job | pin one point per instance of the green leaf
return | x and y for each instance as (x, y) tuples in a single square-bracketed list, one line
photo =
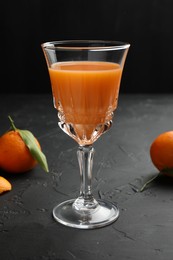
[(35, 151)]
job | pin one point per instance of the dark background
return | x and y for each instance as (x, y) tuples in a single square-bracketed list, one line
[(147, 25)]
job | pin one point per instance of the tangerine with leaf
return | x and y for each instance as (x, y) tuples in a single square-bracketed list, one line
[(161, 154), (20, 151)]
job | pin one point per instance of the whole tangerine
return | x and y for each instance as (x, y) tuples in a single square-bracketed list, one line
[(161, 153), (15, 156)]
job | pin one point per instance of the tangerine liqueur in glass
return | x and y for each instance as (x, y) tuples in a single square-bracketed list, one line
[(85, 78), (86, 92)]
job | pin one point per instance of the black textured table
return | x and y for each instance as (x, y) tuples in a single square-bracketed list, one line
[(122, 163)]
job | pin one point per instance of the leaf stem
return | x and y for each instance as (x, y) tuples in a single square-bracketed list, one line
[(12, 123), (148, 182)]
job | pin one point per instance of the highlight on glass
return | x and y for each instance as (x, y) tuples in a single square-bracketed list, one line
[(85, 78)]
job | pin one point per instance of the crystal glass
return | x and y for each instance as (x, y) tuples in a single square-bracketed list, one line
[(85, 78)]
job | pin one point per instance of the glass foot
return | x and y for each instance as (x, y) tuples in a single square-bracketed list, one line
[(104, 214)]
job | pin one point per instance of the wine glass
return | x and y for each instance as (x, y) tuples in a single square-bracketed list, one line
[(85, 77)]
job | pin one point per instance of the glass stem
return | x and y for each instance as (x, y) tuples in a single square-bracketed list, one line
[(85, 158)]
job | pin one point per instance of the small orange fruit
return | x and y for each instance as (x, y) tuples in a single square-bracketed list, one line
[(15, 156), (4, 185), (161, 152)]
